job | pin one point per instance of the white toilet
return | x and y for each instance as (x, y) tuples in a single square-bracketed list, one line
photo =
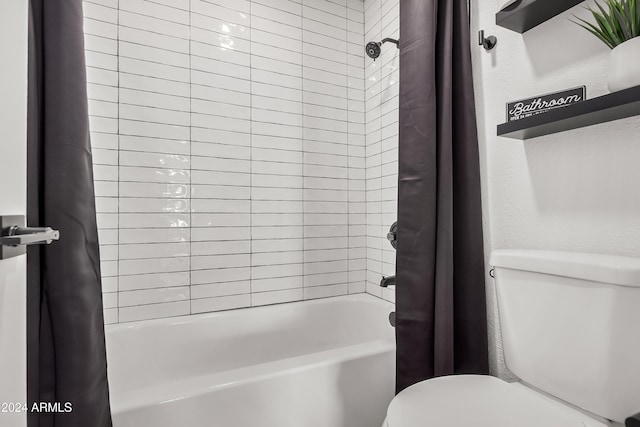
[(570, 327)]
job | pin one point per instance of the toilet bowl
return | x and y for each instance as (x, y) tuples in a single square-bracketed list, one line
[(569, 333), (480, 401)]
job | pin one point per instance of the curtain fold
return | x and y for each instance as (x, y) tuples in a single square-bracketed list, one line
[(65, 327), (441, 322)]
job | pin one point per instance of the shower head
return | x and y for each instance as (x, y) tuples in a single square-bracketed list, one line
[(374, 48)]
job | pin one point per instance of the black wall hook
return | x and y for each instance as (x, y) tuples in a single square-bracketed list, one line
[(488, 43)]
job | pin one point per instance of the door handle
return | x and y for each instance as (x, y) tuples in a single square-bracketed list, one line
[(29, 236), (15, 237)]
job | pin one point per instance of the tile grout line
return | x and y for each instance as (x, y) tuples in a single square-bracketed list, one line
[(349, 172), (380, 228), (302, 149), (190, 198), (118, 161), (250, 14)]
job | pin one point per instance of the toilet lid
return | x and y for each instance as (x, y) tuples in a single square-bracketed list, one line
[(480, 401)]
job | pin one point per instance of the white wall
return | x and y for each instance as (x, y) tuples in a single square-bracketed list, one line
[(229, 152), (382, 85), (13, 191), (574, 191)]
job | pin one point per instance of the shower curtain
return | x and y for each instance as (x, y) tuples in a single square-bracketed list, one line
[(441, 325), (66, 360)]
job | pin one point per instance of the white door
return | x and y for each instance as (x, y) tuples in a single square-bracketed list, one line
[(13, 196)]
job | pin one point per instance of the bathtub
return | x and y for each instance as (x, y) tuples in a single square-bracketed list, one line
[(320, 363)]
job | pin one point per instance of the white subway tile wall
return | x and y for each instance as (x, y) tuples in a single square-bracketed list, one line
[(381, 147), (229, 152), (101, 35)]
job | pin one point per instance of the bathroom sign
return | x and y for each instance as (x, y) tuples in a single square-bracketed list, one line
[(541, 104)]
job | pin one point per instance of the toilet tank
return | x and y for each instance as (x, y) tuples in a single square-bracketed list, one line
[(570, 326)]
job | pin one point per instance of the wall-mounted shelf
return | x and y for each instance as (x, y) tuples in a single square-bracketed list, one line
[(618, 105), (523, 15)]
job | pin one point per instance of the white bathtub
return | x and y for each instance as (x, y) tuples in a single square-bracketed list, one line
[(321, 363)]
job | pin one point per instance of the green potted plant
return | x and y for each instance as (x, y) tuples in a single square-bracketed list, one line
[(617, 24)]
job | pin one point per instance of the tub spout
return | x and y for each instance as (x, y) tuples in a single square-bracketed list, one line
[(388, 281)]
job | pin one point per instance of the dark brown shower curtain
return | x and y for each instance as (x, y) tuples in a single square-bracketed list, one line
[(441, 325), (66, 360)]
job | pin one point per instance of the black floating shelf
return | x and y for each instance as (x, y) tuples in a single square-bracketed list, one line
[(523, 15), (615, 106)]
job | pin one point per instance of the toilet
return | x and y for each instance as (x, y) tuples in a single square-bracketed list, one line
[(570, 326)]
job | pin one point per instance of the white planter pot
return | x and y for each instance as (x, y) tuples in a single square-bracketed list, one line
[(624, 65)]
